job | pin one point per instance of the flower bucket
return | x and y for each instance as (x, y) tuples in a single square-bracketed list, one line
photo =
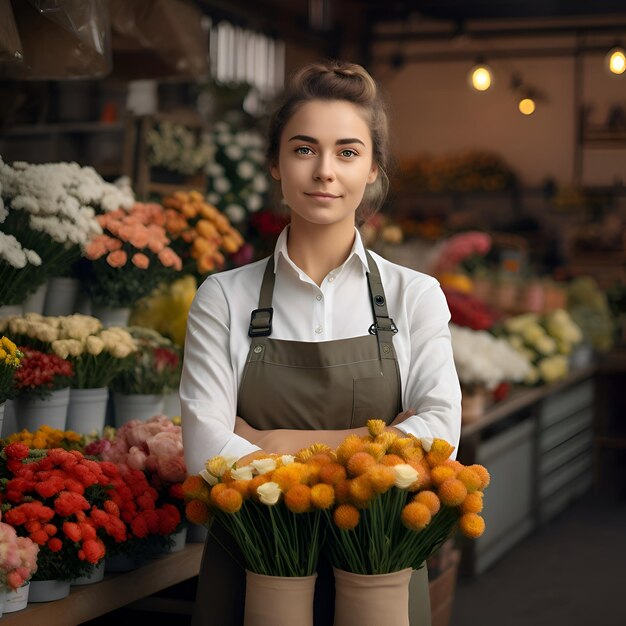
[(278, 600), (87, 410), (1, 415), (473, 404), (180, 540), (111, 316), (32, 413), (8, 423), (36, 301), (16, 600), (136, 406), (11, 309), (122, 563), (61, 296), (171, 405), (95, 576), (372, 600), (3, 594), (48, 590)]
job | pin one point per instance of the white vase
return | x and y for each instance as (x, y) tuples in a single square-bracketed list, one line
[(1, 416), (95, 576), (136, 406), (36, 301), (3, 594), (16, 600), (171, 404), (32, 413), (48, 590), (180, 540), (87, 410), (11, 309), (111, 316), (61, 296), (9, 425)]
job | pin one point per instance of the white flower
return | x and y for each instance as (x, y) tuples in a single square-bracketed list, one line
[(255, 202), (94, 345), (223, 138), (427, 443), (245, 170), (287, 459), (405, 475), (221, 185), (242, 473), (260, 184), (235, 213), (263, 466), (212, 198), (269, 493), (234, 152), (209, 478), (214, 169)]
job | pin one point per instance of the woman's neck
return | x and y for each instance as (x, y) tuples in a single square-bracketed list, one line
[(317, 249)]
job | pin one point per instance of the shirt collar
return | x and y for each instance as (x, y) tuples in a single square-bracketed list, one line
[(358, 250)]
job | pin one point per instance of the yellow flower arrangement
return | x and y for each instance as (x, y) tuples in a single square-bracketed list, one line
[(46, 438), (10, 359)]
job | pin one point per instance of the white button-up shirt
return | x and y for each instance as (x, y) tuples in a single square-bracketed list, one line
[(217, 342)]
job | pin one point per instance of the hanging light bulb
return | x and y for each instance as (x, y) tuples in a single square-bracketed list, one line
[(480, 77), (616, 60), (527, 105)]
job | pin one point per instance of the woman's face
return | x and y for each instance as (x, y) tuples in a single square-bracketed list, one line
[(325, 161)]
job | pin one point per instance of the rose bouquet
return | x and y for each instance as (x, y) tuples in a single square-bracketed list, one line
[(10, 360), (131, 256), (63, 502), (41, 373), (155, 365), (18, 558), (272, 507)]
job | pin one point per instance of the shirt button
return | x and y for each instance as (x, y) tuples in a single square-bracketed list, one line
[(318, 297), (330, 279), (319, 329)]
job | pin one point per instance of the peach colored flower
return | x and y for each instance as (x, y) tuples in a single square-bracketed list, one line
[(156, 245), (169, 258), (95, 249), (112, 244), (117, 258), (140, 260), (114, 227), (136, 459), (140, 237), (125, 232)]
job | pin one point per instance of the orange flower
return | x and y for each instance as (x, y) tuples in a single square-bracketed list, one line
[(117, 258), (452, 492), (472, 525), (342, 491), (391, 459), (228, 500), (470, 479), (455, 465), (320, 458), (332, 474), (195, 487), (360, 462), (242, 486), (140, 260), (322, 496), (95, 249), (216, 490), (361, 490), (349, 446), (375, 427), (482, 472), (289, 475), (440, 450), (298, 499), (375, 449), (473, 503), (381, 478), (255, 483), (346, 516), (425, 475), (169, 258), (429, 499), (441, 473), (416, 515)]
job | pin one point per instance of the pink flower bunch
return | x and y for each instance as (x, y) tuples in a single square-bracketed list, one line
[(457, 248), (136, 235), (18, 557)]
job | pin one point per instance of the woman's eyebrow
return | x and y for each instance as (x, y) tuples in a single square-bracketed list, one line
[(339, 142)]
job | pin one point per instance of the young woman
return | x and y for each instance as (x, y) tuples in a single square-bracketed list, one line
[(307, 345)]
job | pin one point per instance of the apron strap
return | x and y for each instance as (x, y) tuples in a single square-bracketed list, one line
[(383, 327), (261, 318)]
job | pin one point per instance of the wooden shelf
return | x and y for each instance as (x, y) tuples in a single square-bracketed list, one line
[(55, 129), (115, 591)]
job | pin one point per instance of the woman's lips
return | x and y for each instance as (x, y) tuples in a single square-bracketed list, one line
[(321, 195)]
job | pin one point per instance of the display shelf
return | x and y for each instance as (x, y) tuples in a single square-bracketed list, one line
[(62, 128), (115, 591)]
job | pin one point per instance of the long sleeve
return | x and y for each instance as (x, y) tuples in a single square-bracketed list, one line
[(432, 385), (208, 387)]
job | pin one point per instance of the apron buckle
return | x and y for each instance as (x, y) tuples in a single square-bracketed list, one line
[(261, 322), (374, 328)]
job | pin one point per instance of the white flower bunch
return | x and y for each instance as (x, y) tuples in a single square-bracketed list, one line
[(482, 359), (178, 148), (12, 252), (237, 178)]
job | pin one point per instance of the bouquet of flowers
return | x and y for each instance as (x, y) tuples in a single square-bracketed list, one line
[(46, 438), (545, 340), (96, 354), (131, 256), (20, 269), (201, 235), (64, 503), (18, 558), (155, 365), (237, 179), (483, 360), (272, 507), (10, 360), (41, 373), (49, 210)]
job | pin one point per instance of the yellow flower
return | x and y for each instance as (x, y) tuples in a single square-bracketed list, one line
[(361, 490), (452, 492), (322, 496), (439, 452), (217, 466), (375, 427), (298, 499), (472, 525), (441, 473), (346, 516), (290, 475), (228, 500), (317, 448), (332, 474), (430, 499), (470, 479), (473, 503), (376, 450), (416, 516), (386, 439), (483, 473), (349, 446), (360, 462), (381, 477)]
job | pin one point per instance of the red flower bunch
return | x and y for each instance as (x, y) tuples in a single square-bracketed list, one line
[(64, 503), (42, 373)]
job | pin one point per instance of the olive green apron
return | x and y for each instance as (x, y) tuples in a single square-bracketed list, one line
[(329, 385)]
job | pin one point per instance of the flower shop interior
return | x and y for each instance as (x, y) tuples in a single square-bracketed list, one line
[(132, 166)]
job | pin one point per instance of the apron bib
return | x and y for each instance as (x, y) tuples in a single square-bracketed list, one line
[(327, 385)]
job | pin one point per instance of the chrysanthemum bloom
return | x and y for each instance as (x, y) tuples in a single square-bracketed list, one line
[(322, 496), (452, 492), (441, 473), (197, 512), (349, 446), (381, 477), (391, 460), (360, 462), (470, 479), (361, 490), (416, 515), (332, 474), (298, 499), (473, 503), (346, 516), (482, 471), (472, 525), (229, 500), (375, 427), (429, 499), (440, 450)]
